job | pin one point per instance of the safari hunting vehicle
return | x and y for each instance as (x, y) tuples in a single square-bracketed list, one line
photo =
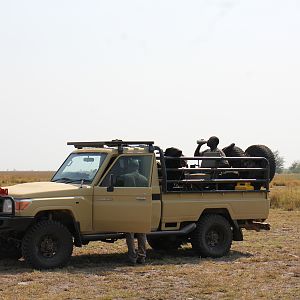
[(180, 200)]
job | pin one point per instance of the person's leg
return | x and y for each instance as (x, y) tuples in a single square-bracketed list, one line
[(141, 253), (131, 247)]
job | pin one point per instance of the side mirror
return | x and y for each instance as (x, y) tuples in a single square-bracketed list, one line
[(112, 183)]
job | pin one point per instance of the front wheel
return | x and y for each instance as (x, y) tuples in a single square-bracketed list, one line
[(47, 245), (212, 237)]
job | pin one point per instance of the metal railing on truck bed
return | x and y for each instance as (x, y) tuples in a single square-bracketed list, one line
[(177, 174)]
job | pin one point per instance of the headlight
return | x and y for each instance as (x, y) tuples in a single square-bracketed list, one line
[(7, 207)]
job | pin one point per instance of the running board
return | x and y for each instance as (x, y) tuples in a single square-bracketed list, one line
[(183, 231), (102, 236), (115, 236)]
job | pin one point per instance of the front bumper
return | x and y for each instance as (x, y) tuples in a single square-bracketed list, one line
[(9, 221), (13, 223)]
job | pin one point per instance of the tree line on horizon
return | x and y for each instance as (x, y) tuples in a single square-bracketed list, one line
[(293, 168)]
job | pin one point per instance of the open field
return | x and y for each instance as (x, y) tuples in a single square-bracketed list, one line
[(264, 266), (15, 177), (285, 192)]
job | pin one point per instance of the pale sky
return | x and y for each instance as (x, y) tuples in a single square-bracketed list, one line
[(164, 70)]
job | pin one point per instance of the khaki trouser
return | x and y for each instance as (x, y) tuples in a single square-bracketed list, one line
[(140, 254)]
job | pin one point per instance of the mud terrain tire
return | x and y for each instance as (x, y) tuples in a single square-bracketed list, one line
[(47, 245), (262, 151), (212, 236)]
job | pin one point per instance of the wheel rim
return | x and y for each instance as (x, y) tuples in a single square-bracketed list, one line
[(48, 246), (213, 238)]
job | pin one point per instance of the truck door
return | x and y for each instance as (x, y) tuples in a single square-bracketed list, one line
[(127, 206)]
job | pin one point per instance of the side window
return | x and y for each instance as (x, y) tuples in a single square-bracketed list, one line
[(130, 171)]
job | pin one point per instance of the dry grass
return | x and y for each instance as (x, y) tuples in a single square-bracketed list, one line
[(289, 180), (15, 177), (287, 198), (285, 192), (264, 266)]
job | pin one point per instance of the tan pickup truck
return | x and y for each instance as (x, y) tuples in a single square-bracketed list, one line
[(104, 189)]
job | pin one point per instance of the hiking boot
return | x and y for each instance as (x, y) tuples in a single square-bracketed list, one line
[(132, 261), (140, 260)]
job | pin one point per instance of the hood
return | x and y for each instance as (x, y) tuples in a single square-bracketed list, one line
[(40, 189)]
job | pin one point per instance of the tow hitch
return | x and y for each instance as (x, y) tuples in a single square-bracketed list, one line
[(257, 226)]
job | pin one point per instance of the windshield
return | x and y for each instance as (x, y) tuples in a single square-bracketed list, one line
[(79, 168)]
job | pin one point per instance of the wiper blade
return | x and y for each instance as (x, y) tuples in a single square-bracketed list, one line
[(69, 180), (63, 179)]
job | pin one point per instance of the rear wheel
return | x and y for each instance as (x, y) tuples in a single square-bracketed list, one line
[(212, 237), (164, 243), (47, 245)]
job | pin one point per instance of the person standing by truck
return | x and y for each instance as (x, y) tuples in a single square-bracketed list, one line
[(139, 255)]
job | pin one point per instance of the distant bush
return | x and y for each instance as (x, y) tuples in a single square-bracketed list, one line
[(279, 161), (295, 167)]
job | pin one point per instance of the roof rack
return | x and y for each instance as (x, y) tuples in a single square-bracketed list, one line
[(113, 143)]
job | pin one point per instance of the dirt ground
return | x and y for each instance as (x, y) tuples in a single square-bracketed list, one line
[(264, 266)]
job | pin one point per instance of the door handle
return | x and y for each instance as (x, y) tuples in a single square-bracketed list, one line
[(104, 199), (141, 198)]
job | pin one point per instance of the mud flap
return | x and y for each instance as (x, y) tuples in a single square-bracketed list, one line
[(77, 236), (237, 234)]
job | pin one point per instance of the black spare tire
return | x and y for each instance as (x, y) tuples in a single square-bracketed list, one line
[(262, 151)]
